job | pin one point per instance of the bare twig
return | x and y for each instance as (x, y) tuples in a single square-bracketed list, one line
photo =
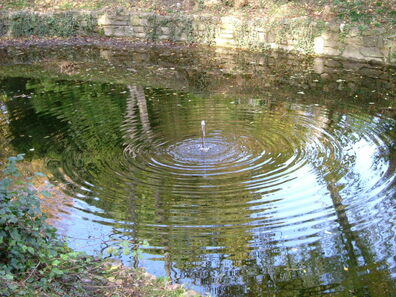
[(31, 273)]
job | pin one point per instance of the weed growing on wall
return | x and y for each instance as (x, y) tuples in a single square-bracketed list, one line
[(177, 26), (62, 24), (299, 33), (3, 26), (208, 34)]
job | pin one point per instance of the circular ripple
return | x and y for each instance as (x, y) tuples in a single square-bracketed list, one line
[(208, 152), (237, 157), (273, 176)]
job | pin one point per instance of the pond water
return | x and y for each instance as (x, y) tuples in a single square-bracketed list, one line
[(294, 194)]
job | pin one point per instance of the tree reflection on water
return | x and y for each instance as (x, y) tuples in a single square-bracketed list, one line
[(295, 198)]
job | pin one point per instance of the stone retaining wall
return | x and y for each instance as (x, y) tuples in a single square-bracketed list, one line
[(296, 35), (300, 34)]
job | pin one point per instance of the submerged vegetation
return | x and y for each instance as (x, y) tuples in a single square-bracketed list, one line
[(35, 262)]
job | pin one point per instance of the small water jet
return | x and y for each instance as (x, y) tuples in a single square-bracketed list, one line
[(204, 148)]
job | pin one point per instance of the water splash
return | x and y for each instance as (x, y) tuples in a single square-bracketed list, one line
[(204, 148)]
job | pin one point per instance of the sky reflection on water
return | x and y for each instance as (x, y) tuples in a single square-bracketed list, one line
[(294, 197)]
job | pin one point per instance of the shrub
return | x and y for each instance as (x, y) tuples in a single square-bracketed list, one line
[(32, 258), (35, 262), (61, 24)]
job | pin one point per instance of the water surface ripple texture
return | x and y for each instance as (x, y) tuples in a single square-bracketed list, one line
[(293, 194)]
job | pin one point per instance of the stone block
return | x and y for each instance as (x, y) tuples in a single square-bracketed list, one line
[(324, 76), (352, 66), (318, 65), (106, 54), (226, 36), (104, 20), (224, 42), (182, 37), (261, 36), (332, 43), (129, 32), (271, 37), (330, 36), (354, 32), (230, 27), (113, 20), (165, 30), (283, 41), (357, 40), (163, 37), (201, 27), (333, 63), (373, 41), (286, 48), (138, 29), (229, 20), (135, 20), (229, 23), (371, 72), (319, 43), (373, 32), (389, 50), (331, 51), (391, 37), (376, 60), (372, 52), (227, 31), (352, 52), (334, 27), (138, 20), (140, 35), (114, 30)]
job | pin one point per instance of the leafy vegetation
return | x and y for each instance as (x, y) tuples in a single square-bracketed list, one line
[(35, 262), (32, 258), (61, 24)]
